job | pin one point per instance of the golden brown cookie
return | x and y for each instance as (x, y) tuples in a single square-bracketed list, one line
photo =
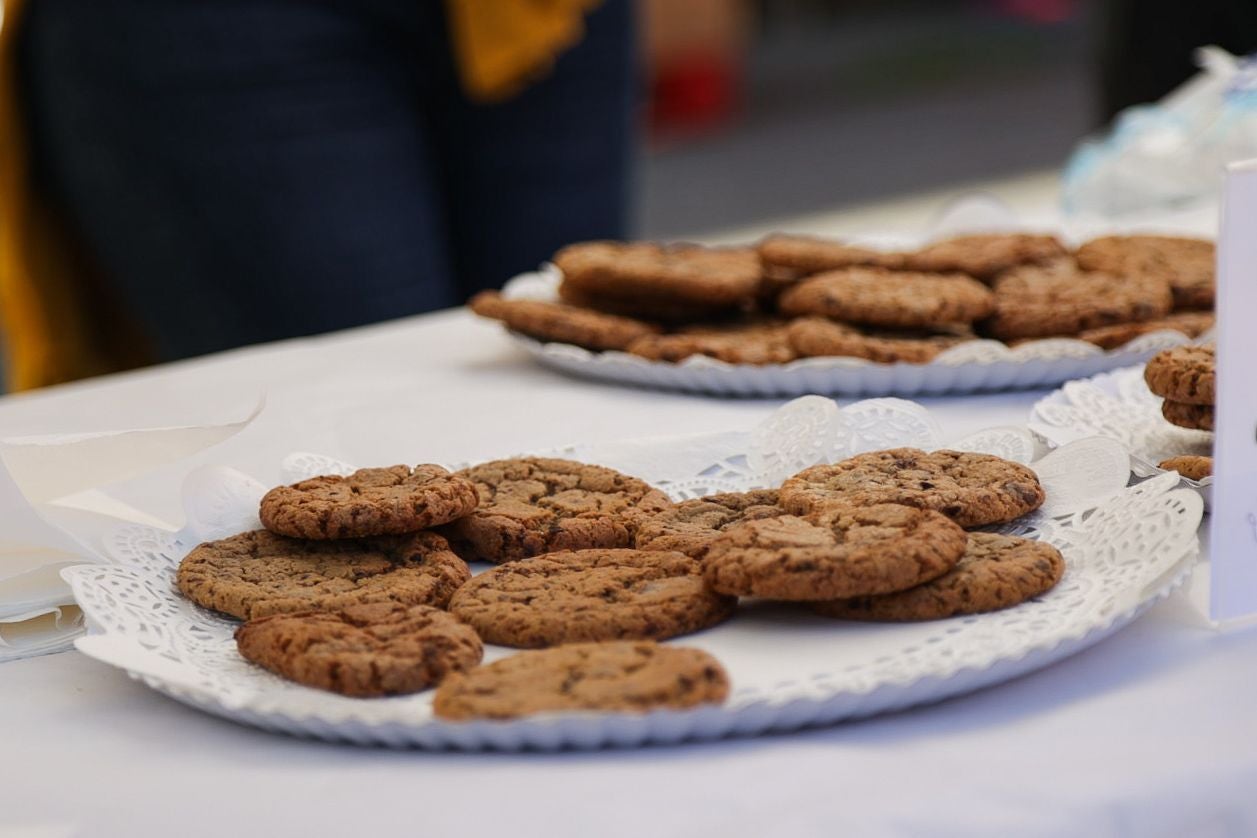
[(836, 551), (1195, 416), (1190, 323), (561, 323), (1183, 374), (996, 572), (631, 677), (371, 501), (734, 344), (533, 505), (986, 255), (1191, 467), (891, 299), (362, 651), (590, 595), (971, 489), (690, 526), (1058, 299), (819, 336), (803, 255), (663, 310), (259, 573), (712, 278), (1186, 264)]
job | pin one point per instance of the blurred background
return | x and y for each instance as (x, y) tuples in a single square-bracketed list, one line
[(762, 110), (186, 176)]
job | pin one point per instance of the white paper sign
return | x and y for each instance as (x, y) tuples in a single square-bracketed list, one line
[(1233, 551)]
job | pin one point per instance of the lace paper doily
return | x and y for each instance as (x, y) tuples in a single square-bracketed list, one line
[(1119, 405), (970, 367), (1125, 548)]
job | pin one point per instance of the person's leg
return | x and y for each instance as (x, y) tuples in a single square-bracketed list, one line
[(243, 170), (548, 167)]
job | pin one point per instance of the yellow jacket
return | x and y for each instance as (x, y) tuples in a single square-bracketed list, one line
[(57, 324)]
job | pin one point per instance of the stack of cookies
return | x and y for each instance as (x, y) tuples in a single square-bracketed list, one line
[(793, 297), (1184, 377), (360, 584)]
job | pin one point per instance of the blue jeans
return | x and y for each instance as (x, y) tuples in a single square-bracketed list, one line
[(248, 170)]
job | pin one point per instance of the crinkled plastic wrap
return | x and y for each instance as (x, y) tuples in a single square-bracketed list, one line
[(1172, 153)]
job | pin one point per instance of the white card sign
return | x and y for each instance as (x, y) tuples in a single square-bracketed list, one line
[(1233, 550)]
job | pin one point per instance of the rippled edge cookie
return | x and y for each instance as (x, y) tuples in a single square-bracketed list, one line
[(610, 677), (363, 651), (562, 323), (995, 572), (371, 501)]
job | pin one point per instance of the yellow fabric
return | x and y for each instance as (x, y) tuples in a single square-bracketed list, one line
[(501, 45), (57, 325)]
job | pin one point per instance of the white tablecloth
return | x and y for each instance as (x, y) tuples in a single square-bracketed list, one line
[(1150, 733)]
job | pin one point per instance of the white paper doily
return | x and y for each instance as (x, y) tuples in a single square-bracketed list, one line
[(973, 366), (1120, 406), (1125, 548)]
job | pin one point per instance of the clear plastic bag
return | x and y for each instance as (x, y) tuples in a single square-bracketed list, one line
[(1172, 153)]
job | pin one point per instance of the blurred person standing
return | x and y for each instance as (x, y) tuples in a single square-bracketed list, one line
[(185, 176)]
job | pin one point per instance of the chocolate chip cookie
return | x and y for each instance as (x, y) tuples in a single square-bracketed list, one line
[(362, 651), (971, 489), (995, 572), (986, 255), (1190, 323), (1057, 299), (629, 677), (1194, 416), (259, 573), (836, 551), (818, 337), (734, 344), (533, 505), (1186, 264), (1184, 374), (891, 299), (590, 595), (708, 277), (371, 501), (803, 255), (1191, 467), (690, 526), (561, 323)]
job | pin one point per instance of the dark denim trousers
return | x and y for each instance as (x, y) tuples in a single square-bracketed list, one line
[(247, 170)]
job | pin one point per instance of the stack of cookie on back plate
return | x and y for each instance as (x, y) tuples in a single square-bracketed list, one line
[(360, 584), (794, 297), (1185, 378)]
